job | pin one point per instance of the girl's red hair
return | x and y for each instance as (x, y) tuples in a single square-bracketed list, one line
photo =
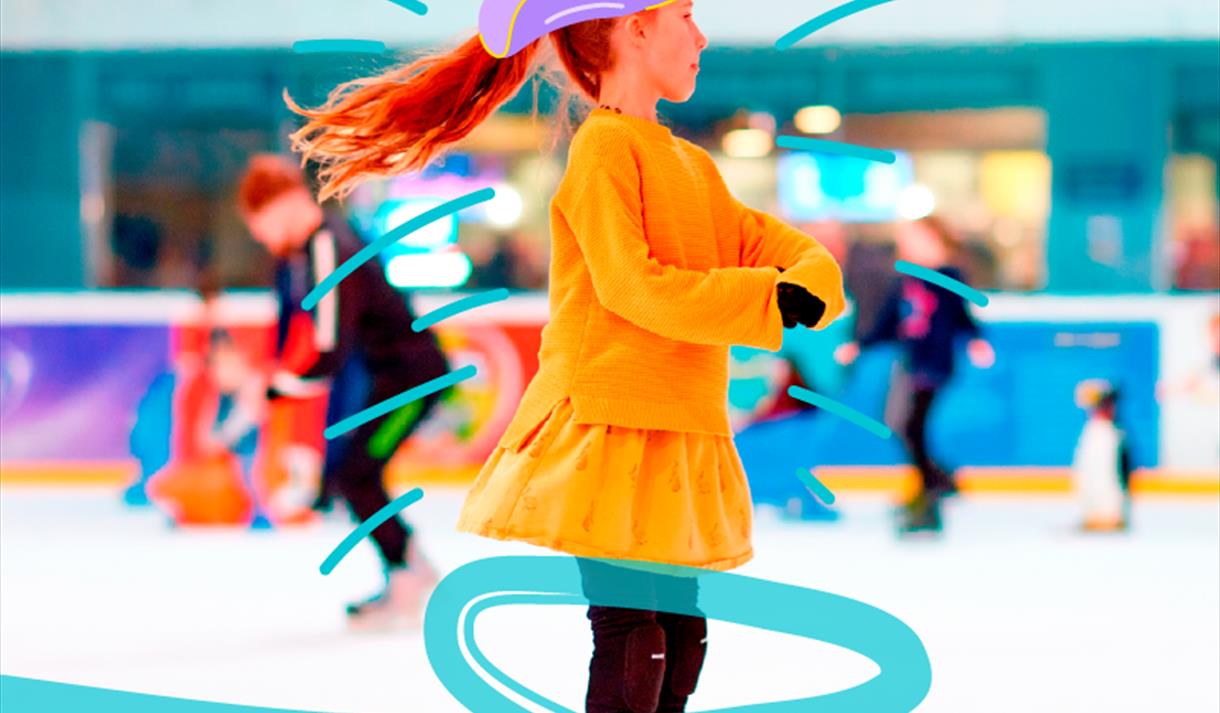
[(398, 121)]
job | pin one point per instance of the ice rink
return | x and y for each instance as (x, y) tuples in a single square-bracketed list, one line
[(1018, 612)]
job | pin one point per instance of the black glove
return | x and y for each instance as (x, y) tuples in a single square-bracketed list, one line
[(797, 306)]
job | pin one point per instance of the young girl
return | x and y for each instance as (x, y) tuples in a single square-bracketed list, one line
[(621, 447)]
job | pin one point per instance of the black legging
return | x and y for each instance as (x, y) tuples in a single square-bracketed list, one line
[(357, 474), (915, 435), (644, 661)]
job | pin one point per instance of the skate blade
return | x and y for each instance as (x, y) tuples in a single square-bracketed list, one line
[(381, 622)]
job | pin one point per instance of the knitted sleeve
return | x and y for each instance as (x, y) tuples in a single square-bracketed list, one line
[(722, 306), (767, 241)]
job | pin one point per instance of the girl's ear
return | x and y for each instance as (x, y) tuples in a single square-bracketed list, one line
[(634, 29)]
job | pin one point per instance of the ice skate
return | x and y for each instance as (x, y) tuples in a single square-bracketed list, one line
[(401, 603), (922, 515)]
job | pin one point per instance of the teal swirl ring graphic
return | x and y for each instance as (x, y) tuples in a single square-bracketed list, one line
[(904, 680)]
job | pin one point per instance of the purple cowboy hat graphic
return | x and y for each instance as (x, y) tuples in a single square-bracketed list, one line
[(505, 26)]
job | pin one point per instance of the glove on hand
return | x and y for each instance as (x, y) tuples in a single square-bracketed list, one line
[(797, 306)]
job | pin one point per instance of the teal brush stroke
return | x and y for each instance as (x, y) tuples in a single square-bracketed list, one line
[(816, 486), (871, 425), (390, 510), (827, 18), (375, 247), (959, 288), (462, 305), (396, 402), (352, 46), (802, 143), (414, 6)]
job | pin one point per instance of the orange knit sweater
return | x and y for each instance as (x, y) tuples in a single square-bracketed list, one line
[(656, 269)]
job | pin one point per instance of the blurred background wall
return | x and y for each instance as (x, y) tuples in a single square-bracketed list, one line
[(1073, 145)]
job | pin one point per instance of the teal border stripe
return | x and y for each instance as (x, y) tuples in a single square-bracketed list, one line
[(30, 695)]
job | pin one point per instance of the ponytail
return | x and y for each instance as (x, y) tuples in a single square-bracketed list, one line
[(398, 121)]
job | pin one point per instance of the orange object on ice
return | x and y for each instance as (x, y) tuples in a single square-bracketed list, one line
[(203, 491), (291, 458)]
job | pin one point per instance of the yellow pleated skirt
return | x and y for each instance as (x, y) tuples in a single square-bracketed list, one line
[(618, 493)]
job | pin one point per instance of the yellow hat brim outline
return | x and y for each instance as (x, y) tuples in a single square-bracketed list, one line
[(512, 24)]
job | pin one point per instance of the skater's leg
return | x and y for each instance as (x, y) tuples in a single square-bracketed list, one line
[(360, 481), (359, 478), (685, 650), (933, 478), (627, 670)]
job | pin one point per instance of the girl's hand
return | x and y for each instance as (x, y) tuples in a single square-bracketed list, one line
[(847, 353), (981, 353), (797, 306)]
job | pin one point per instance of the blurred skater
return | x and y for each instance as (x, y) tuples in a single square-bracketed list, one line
[(236, 414), (925, 321), (1101, 466), (362, 321)]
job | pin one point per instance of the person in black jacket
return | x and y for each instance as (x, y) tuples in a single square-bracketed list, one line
[(926, 321), (365, 344)]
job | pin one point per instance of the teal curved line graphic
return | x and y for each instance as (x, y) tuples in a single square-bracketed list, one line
[(960, 289), (372, 249), (459, 306), (396, 402), (804, 143), (904, 679), (871, 425), (338, 46), (414, 6), (824, 20), (362, 531), (494, 671), (815, 486), (31, 695)]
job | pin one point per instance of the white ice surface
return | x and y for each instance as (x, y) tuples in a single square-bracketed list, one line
[(1018, 613)]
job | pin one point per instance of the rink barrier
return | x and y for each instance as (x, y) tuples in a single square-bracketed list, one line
[(905, 670), (840, 479)]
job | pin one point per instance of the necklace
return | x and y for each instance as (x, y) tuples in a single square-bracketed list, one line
[(614, 109)]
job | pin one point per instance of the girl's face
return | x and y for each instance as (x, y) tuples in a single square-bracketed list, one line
[(668, 48)]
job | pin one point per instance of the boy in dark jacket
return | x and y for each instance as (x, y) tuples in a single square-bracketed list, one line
[(925, 320), (362, 322)]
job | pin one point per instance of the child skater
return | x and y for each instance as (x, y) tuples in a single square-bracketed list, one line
[(925, 321), (238, 412), (1101, 465), (621, 447), (363, 318)]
